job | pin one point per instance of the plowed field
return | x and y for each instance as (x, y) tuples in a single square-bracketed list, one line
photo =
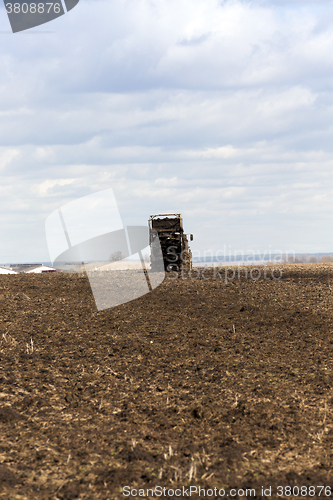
[(199, 383)]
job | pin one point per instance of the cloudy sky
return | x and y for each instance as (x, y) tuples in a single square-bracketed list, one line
[(220, 110)]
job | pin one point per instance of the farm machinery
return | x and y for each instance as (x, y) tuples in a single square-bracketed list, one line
[(175, 248)]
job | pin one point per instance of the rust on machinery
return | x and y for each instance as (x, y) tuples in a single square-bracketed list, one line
[(176, 252)]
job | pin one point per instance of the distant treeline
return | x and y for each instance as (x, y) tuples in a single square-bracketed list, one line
[(310, 259), (286, 257)]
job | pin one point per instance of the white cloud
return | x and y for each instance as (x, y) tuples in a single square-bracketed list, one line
[(43, 189), (6, 156)]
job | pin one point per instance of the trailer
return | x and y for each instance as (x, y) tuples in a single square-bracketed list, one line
[(168, 230)]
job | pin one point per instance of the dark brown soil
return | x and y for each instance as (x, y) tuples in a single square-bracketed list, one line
[(201, 382)]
